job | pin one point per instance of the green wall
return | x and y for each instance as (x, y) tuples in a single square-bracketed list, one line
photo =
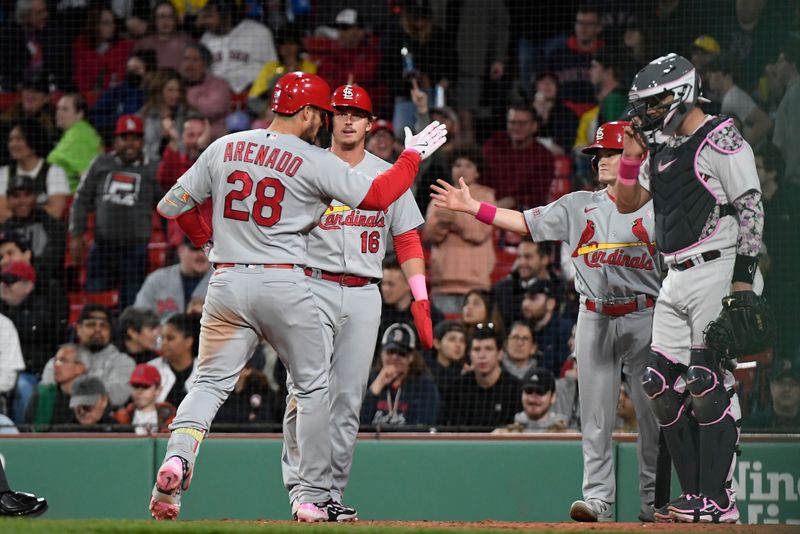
[(516, 480)]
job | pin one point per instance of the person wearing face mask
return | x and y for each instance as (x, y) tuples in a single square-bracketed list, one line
[(125, 97)]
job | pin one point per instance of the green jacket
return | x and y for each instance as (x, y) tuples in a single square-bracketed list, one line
[(76, 149)]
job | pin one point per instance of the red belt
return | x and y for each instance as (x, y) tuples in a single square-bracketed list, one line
[(618, 309), (265, 265), (347, 280)]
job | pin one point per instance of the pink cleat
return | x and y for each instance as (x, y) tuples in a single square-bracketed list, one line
[(173, 478), (310, 513)]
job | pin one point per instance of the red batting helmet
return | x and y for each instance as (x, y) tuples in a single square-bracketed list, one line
[(297, 89), (352, 96), (609, 135)]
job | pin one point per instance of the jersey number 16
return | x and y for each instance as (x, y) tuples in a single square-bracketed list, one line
[(269, 194)]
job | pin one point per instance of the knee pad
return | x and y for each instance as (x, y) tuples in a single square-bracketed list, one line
[(710, 400), (658, 383)]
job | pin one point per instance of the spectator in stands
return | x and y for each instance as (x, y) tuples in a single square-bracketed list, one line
[(80, 143), (532, 264), (139, 332), (481, 42), (239, 46), (518, 167), (90, 403), (103, 360), (184, 147), (605, 73), (521, 352), (450, 344), (252, 400), (485, 396), (734, 101), (462, 252), (552, 331), (28, 144), (753, 42), (626, 413), (396, 307), (414, 49), (538, 399), (40, 320), (781, 248), (167, 42), (402, 391), (787, 118), (178, 361), (99, 54), (705, 49), (209, 95), (46, 236), (557, 122), (290, 59), (381, 141), (121, 188), (478, 307), (571, 60), (34, 103), (784, 386), (126, 97), (11, 361), (168, 290), (636, 46), (165, 109), (49, 405), (145, 413), (29, 45)]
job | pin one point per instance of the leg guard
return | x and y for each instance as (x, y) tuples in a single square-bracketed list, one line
[(668, 402), (718, 427)]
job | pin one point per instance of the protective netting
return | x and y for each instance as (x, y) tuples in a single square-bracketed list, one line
[(105, 105)]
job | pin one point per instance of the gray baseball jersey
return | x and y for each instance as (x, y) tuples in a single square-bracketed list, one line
[(353, 241), (615, 259), (614, 253), (268, 191)]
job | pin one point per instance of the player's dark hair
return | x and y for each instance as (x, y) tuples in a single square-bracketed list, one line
[(471, 153), (188, 324)]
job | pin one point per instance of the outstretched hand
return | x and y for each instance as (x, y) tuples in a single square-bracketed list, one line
[(633, 142), (454, 198)]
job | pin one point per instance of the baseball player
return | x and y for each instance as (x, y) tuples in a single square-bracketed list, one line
[(344, 263), (617, 277), (705, 192), (269, 189)]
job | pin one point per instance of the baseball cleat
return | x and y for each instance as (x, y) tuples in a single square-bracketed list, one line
[(704, 510), (337, 512), (662, 514), (590, 511), (173, 478), (311, 513), (21, 504)]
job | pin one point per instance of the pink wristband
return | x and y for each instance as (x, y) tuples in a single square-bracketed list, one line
[(629, 170), (486, 213), (418, 287)]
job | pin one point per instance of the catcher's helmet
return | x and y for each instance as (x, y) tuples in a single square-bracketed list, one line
[(352, 96), (298, 89), (608, 136), (668, 74)]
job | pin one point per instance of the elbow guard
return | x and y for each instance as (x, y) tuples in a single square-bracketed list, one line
[(176, 202)]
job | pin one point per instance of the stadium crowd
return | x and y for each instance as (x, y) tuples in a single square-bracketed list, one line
[(105, 104)]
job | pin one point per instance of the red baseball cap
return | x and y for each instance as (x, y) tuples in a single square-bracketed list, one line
[(382, 124), (129, 124), (145, 375), (18, 270)]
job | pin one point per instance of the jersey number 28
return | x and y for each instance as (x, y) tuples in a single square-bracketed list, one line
[(265, 186)]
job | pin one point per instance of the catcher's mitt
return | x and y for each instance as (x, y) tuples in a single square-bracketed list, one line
[(745, 326)]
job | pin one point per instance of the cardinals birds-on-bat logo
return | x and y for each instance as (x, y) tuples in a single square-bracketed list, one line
[(640, 232), (586, 236)]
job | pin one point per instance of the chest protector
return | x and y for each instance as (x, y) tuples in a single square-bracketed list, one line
[(681, 202), (39, 181)]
